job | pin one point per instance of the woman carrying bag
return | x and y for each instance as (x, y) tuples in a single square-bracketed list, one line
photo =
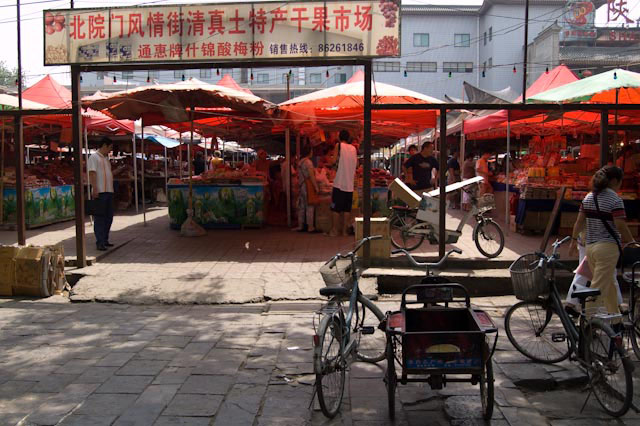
[(602, 212), (308, 193)]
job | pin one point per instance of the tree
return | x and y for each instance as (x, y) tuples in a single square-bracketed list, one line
[(8, 76)]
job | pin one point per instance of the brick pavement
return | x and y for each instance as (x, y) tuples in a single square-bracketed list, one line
[(115, 364)]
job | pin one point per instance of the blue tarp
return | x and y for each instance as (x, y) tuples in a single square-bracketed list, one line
[(160, 140)]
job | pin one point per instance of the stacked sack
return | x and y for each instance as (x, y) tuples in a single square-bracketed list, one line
[(32, 271)]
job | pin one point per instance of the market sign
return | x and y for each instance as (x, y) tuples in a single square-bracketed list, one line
[(222, 32), (578, 21)]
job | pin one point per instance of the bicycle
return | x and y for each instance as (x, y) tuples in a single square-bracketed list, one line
[(540, 328), (336, 339), (408, 232), (630, 256)]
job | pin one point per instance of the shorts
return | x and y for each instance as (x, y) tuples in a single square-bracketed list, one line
[(341, 201)]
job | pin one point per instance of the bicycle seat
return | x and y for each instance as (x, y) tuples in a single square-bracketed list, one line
[(334, 291), (582, 294), (402, 208)]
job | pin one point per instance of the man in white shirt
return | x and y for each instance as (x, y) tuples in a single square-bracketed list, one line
[(101, 180), (346, 156)]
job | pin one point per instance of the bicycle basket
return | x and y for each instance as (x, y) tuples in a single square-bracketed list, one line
[(528, 278), (339, 275), (486, 201)]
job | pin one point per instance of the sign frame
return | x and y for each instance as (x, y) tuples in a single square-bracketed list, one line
[(240, 61)]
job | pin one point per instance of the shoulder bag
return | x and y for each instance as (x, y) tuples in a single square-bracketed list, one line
[(609, 229)]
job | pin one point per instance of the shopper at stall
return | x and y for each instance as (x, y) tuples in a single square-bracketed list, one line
[(468, 172), (346, 158), (101, 180), (419, 169), (216, 160), (198, 164), (307, 193), (453, 176), (482, 169), (602, 213), (262, 163)]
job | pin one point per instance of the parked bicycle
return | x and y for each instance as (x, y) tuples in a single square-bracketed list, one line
[(631, 259), (342, 332), (541, 329), (408, 232)]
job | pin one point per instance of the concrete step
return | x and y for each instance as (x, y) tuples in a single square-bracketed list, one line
[(479, 282)]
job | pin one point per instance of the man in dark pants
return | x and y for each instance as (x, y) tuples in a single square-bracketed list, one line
[(101, 179)]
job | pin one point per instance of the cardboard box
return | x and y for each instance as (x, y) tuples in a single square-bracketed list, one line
[(380, 249), (32, 272), (403, 192), (7, 269)]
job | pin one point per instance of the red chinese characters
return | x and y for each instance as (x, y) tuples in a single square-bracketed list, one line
[(144, 51), (135, 24), (299, 18), (278, 15), (258, 20), (616, 10), (257, 48), (363, 17), (237, 21), (320, 20), (208, 50), (240, 49), (215, 22), (76, 24), (342, 18), (175, 23), (175, 50), (224, 49), (155, 24), (191, 50), (195, 23), (96, 27), (160, 51)]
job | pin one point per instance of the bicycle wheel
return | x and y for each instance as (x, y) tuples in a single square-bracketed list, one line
[(330, 366), (530, 327), (489, 238), (486, 390), (371, 347), (609, 369), (390, 377), (635, 329), (400, 237)]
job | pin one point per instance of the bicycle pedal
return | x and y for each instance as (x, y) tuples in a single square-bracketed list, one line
[(558, 337), (368, 330)]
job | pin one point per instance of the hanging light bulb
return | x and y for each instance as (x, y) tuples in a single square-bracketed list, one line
[(182, 77), (327, 73), (514, 69), (580, 73), (148, 78), (450, 74), (290, 73), (546, 70), (16, 81), (405, 73), (115, 80), (615, 75), (251, 76), (80, 79), (218, 71), (483, 74)]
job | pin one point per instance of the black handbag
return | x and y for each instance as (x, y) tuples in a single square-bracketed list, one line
[(95, 207), (608, 227)]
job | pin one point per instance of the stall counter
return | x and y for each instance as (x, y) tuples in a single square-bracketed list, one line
[(43, 206), (218, 205)]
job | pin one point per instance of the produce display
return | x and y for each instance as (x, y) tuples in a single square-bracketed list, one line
[(41, 176), (223, 173)]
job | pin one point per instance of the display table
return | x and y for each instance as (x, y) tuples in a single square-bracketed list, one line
[(218, 206), (43, 206), (502, 187)]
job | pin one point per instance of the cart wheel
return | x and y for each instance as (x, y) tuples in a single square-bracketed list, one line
[(391, 379), (486, 390)]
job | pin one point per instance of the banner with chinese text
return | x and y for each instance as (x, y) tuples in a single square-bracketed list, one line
[(223, 32)]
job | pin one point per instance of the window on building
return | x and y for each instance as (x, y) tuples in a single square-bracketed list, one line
[(315, 78), (490, 33), (284, 78), (490, 63), (484, 66), (462, 40), (421, 39), (340, 78), (177, 74), (422, 66), (100, 75), (457, 67), (244, 75), (485, 38), (386, 66), (263, 78), (127, 75), (205, 73), (154, 75)]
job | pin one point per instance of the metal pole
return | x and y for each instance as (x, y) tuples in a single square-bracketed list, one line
[(144, 210), (81, 261), (366, 176), (180, 153), (604, 137), (19, 145), (287, 157), (189, 163), (206, 157), (2, 176), (507, 171), (443, 194), (526, 43), (615, 133), (135, 169), (166, 175), (86, 159)]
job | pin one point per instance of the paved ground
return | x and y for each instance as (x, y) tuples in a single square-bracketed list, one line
[(115, 364), (157, 265)]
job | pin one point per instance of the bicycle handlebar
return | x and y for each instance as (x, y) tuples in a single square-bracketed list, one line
[(436, 265), (544, 258), (352, 253)]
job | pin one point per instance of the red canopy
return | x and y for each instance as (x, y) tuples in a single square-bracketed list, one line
[(49, 92), (559, 76), (229, 82)]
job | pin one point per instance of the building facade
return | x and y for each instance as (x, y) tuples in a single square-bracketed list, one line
[(442, 47)]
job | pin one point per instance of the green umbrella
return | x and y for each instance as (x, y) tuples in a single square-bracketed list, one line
[(615, 86)]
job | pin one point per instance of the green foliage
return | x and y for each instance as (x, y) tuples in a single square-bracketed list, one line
[(8, 76)]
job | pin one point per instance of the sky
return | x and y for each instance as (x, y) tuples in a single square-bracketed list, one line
[(32, 31)]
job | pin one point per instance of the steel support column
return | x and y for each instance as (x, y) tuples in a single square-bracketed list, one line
[(442, 232), (76, 130), (604, 137), (366, 176)]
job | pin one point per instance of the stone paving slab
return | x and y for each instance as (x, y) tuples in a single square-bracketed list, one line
[(240, 365)]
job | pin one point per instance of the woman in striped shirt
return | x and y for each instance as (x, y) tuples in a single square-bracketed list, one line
[(603, 241)]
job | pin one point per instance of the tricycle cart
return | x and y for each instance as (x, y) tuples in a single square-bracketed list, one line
[(439, 342)]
